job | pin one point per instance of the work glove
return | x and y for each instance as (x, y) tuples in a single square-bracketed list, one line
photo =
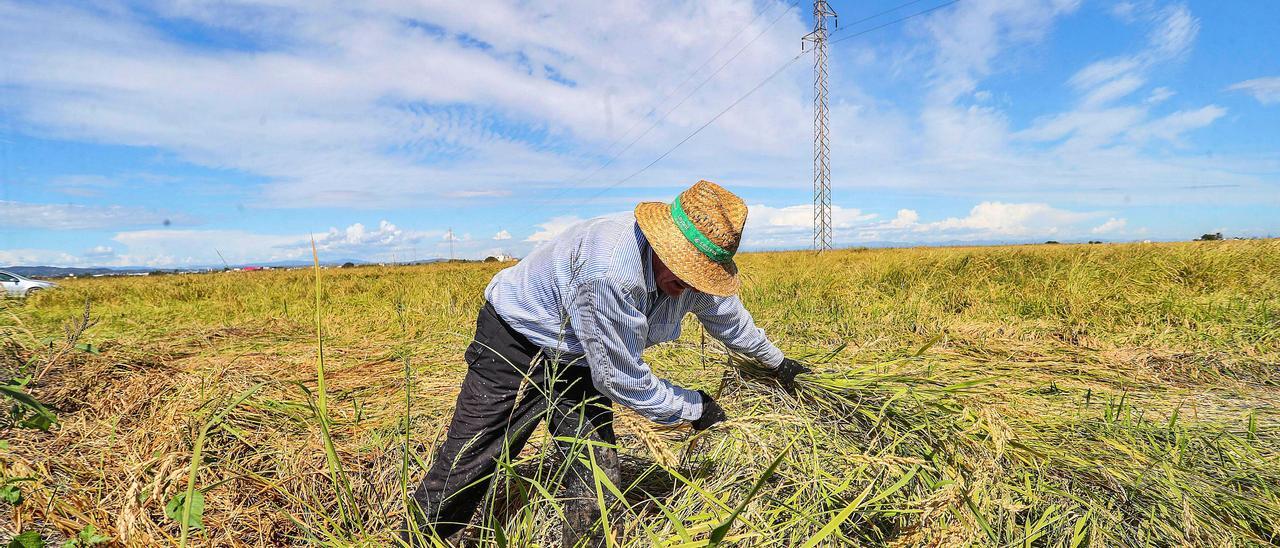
[(786, 374), (712, 413)]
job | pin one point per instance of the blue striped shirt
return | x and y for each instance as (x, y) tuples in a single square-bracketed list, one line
[(590, 292)]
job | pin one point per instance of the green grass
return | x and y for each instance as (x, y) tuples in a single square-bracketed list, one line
[(1028, 395)]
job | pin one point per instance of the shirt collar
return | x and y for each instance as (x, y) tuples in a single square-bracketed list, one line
[(646, 261)]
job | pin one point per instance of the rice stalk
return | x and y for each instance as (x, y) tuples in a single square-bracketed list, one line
[(189, 496), (347, 509)]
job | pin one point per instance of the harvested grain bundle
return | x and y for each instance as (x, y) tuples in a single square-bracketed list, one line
[(1062, 475)]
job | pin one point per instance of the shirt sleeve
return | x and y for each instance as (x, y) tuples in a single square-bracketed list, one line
[(612, 330), (729, 322)]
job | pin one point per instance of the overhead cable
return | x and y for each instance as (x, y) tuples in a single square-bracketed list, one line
[(686, 97), (759, 85)]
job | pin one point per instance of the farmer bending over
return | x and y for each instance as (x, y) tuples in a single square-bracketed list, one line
[(573, 319)]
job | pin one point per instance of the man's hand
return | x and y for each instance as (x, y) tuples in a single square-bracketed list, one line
[(786, 373), (712, 413)]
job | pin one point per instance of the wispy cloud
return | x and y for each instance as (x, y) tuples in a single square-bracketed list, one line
[(1159, 95), (1265, 90), (1100, 121), (81, 217)]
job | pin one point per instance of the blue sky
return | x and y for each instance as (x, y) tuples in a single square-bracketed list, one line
[(165, 134)]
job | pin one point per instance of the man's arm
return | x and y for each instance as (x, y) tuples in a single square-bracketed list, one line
[(729, 322), (612, 330)]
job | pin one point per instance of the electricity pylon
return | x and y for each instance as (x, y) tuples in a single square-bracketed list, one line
[(821, 147)]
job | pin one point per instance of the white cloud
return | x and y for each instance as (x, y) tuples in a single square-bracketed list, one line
[(1112, 90), (1112, 225), (357, 234), (1265, 90), (959, 144), (792, 226), (962, 137), (100, 253), (553, 227), (1101, 120), (1086, 129), (385, 242), (167, 248), (1103, 71), (1124, 10), (801, 216), (162, 248), (1174, 31), (1159, 95), (1170, 128), (414, 101), (33, 257), (502, 235), (996, 219), (970, 37), (905, 219), (78, 217), (990, 221)]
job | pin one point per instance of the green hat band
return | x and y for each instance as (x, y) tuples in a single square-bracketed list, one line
[(696, 237)]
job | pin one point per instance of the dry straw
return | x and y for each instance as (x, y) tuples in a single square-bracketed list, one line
[(1035, 395)]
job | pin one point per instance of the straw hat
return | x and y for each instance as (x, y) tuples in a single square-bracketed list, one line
[(697, 235)]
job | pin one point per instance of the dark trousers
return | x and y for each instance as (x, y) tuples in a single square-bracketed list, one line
[(510, 387)]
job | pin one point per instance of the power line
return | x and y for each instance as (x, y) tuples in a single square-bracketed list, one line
[(896, 21), (666, 96), (696, 131), (876, 15), (686, 97), (688, 77), (757, 87)]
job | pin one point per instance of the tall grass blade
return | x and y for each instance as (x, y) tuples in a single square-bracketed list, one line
[(718, 534), (346, 502), (189, 497)]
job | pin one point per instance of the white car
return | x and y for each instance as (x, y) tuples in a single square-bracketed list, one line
[(19, 286)]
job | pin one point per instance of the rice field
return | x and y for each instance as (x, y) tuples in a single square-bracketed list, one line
[(1055, 395)]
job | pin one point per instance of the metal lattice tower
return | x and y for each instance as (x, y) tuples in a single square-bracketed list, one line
[(821, 146)]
